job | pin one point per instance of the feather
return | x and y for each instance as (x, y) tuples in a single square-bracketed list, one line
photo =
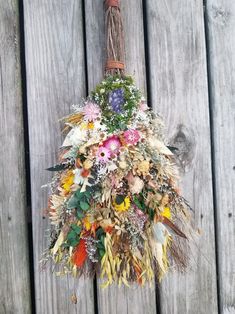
[(159, 255), (160, 232), (173, 227), (157, 251), (80, 254)]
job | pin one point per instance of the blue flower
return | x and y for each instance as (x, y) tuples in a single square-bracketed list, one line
[(116, 100)]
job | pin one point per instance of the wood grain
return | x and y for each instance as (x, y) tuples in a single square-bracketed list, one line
[(113, 299), (14, 264), (178, 81), (221, 45), (55, 80)]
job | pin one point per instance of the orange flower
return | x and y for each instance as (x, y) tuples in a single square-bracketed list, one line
[(85, 173), (109, 229), (80, 254), (90, 125), (93, 228)]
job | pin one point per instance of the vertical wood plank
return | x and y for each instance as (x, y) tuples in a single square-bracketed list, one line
[(14, 267), (178, 81), (55, 80), (113, 299), (221, 44)]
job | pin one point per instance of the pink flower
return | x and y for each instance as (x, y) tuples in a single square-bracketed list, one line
[(143, 106), (103, 154), (91, 111), (131, 136), (112, 144)]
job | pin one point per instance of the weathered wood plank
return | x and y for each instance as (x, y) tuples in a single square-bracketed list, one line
[(113, 299), (14, 266), (221, 44), (55, 80), (132, 12), (177, 57)]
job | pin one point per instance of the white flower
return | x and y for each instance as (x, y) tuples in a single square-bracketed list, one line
[(78, 179), (136, 185), (98, 126), (142, 116)]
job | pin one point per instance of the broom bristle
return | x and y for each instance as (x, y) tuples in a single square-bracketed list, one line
[(114, 38)]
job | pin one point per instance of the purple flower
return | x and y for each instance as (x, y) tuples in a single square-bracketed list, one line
[(116, 100)]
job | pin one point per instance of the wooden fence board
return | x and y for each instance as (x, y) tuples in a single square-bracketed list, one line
[(55, 80), (221, 45), (113, 299), (177, 57), (14, 271)]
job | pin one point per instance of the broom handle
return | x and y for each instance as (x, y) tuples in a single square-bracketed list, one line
[(114, 38)]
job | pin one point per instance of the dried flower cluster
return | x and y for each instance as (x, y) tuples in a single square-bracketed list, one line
[(114, 204)]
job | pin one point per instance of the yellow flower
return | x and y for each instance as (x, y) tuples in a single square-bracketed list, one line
[(122, 164), (124, 205), (144, 166), (166, 212), (87, 125), (67, 181), (87, 223), (83, 125)]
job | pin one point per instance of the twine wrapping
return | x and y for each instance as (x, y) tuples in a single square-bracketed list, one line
[(114, 38), (112, 3)]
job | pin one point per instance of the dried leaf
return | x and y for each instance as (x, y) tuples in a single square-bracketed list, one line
[(58, 243)]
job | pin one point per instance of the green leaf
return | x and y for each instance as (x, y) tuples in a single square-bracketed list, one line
[(102, 239), (84, 206), (78, 194), (83, 196), (65, 245), (99, 232), (101, 253), (73, 202), (80, 214), (91, 181), (137, 202), (77, 229), (73, 242), (72, 235), (151, 213), (88, 192), (81, 157), (173, 149), (58, 167), (100, 245)]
